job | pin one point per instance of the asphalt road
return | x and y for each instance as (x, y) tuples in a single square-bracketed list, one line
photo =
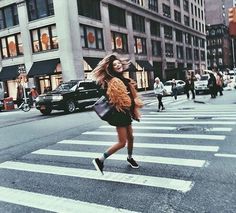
[(186, 155)]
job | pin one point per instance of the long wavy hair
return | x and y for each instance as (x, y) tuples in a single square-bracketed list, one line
[(104, 71)]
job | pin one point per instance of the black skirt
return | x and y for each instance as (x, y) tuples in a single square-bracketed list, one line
[(120, 119)]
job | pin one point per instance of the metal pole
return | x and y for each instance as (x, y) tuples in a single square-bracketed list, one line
[(232, 39)]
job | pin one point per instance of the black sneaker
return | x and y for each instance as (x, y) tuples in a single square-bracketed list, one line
[(98, 165), (133, 163)]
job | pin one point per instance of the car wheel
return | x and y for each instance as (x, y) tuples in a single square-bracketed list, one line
[(46, 111), (70, 106)]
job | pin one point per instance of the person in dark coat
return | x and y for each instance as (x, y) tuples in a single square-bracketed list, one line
[(189, 85), (212, 85)]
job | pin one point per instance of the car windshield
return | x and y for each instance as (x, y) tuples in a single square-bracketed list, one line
[(204, 77), (66, 86), (167, 83)]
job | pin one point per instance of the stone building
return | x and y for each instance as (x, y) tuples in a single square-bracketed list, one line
[(58, 40)]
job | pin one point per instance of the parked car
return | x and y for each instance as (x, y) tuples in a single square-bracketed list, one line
[(180, 86), (69, 96), (201, 85)]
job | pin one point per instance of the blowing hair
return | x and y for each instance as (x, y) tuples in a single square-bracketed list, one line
[(104, 71)]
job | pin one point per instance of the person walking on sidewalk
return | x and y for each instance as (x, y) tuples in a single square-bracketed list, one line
[(121, 93), (174, 89), (159, 91), (189, 85)]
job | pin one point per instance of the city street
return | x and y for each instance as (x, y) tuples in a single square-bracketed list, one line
[(186, 155)]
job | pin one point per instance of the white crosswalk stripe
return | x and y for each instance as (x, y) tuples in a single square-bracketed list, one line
[(151, 128)]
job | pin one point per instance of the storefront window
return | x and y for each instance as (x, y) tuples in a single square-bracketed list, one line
[(12, 46), (44, 38), (91, 37), (119, 42), (54, 38), (35, 40), (20, 45), (4, 48)]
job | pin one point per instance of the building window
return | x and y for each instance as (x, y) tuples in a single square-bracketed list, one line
[(140, 2), (44, 38), (140, 46), (153, 5), (39, 9), (91, 37), (196, 55), (179, 35), (195, 41), (119, 42), (177, 3), (155, 28), (180, 52), (8, 16), (168, 32), (156, 48), (177, 16), (188, 53), (202, 55), (169, 50), (117, 16), (166, 10), (186, 21), (186, 5), (11, 46), (138, 23), (89, 8), (188, 38)]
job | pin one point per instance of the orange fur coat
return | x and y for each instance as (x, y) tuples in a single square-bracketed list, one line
[(118, 96)]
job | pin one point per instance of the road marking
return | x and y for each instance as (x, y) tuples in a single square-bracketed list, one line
[(168, 183), (216, 129), (186, 115), (189, 122), (147, 145), (140, 158), (203, 112), (52, 203), (159, 135), (225, 155)]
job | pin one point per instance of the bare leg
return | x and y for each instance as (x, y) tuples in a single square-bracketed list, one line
[(130, 138)]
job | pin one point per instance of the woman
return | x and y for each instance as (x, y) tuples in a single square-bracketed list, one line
[(212, 85), (122, 94), (158, 90), (174, 89)]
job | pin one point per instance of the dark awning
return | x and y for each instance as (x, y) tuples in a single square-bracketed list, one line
[(9, 73), (41, 68), (93, 62), (146, 65)]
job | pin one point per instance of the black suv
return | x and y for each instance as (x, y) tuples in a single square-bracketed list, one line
[(68, 96)]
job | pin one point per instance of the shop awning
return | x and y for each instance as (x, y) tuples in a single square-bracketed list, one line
[(9, 73), (93, 62), (41, 68), (146, 65)]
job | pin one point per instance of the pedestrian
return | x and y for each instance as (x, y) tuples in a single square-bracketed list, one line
[(121, 93), (174, 89), (189, 85), (19, 94), (159, 91), (219, 83), (212, 85), (33, 94)]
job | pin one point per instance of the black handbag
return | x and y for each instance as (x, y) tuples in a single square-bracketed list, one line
[(103, 108)]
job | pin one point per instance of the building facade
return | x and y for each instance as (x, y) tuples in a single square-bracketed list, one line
[(50, 41), (219, 43)]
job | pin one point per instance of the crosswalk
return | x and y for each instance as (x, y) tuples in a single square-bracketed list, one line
[(176, 139)]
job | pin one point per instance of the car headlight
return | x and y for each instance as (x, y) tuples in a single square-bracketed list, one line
[(57, 97)]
